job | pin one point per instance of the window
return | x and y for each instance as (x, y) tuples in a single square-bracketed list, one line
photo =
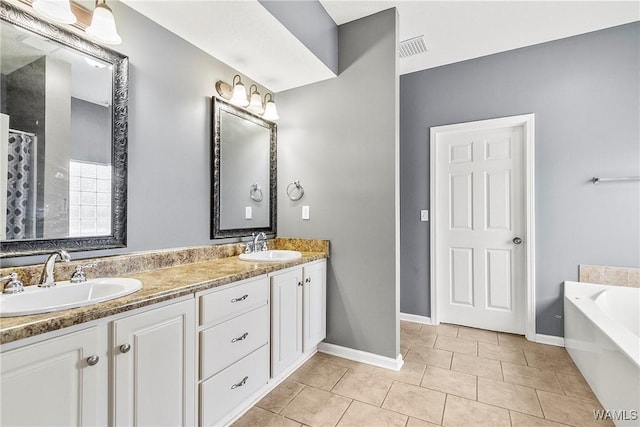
[(89, 199)]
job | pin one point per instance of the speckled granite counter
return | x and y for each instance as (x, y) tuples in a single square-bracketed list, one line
[(158, 285)]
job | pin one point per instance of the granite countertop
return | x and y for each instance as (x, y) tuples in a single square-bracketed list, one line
[(157, 286)]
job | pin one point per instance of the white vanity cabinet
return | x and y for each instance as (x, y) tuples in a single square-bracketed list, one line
[(59, 381), (298, 313), (130, 369), (234, 347), (153, 357)]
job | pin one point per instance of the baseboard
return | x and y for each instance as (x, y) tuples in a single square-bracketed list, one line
[(415, 318), (362, 356), (550, 340)]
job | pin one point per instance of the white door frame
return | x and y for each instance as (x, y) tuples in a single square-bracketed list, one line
[(527, 123)]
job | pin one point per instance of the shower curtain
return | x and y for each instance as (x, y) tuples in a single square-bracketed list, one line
[(19, 184)]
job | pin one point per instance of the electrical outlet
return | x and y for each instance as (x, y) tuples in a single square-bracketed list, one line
[(305, 212), (247, 212), (424, 215)]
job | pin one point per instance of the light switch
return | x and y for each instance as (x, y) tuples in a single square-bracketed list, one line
[(305, 212), (424, 215), (247, 212)]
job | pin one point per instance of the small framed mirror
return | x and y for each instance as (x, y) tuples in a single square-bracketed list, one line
[(63, 138), (243, 154)]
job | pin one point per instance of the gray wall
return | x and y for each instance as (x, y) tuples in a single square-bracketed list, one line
[(171, 84), (311, 24), (584, 92), (338, 138), (90, 132)]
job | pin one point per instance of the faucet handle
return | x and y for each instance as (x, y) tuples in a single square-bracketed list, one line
[(78, 276), (14, 285)]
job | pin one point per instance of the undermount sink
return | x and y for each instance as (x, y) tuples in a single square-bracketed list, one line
[(65, 295), (276, 255)]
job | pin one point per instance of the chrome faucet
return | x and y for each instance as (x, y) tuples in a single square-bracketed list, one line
[(13, 286), (263, 245), (253, 245), (47, 280)]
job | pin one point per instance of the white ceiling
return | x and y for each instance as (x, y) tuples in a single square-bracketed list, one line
[(245, 36), (459, 30)]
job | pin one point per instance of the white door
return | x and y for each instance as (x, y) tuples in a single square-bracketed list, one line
[(480, 225), (286, 320), (59, 381), (154, 367), (315, 303)]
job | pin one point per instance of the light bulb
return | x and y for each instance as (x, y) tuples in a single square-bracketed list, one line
[(56, 10), (103, 26)]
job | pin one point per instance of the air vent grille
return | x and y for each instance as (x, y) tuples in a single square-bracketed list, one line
[(413, 46)]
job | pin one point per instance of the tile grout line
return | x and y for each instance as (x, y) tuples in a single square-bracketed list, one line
[(345, 411)]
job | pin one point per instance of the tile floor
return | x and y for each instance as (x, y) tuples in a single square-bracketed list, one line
[(452, 376)]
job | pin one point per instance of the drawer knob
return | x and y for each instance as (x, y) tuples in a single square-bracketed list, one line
[(92, 360), (241, 337), (242, 298), (240, 384), (124, 348)]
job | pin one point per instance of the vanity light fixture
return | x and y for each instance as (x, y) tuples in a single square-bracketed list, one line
[(103, 25), (239, 95), (236, 94), (270, 112), (56, 10), (255, 103)]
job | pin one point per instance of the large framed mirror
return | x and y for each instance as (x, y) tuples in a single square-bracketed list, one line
[(243, 173), (63, 139)]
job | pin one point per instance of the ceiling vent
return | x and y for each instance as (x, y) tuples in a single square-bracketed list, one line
[(412, 46)]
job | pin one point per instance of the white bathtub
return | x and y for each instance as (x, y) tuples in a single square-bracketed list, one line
[(602, 336)]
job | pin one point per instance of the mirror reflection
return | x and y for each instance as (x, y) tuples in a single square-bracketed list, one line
[(55, 139), (244, 152)]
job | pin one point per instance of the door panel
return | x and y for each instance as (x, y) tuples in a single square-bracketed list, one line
[(499, 279), (462, 276), (461, 202)]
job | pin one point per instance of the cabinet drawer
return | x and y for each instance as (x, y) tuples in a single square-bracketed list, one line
[(222, 393), (227, 342), (219, 306)]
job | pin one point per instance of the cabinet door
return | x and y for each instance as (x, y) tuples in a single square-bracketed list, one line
[(53, 383), (154, 367), (286, 320), (315, 303)]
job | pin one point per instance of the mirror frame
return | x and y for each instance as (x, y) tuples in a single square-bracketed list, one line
[(216, 233), (119, 138)]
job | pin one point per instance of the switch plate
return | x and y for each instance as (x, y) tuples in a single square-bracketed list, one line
[(305, 212), (247, 212), (424, 215)]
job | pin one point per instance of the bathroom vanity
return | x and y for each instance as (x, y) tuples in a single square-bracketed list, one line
[(199, 344)]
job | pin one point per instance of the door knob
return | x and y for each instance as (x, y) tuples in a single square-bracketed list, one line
[(517, 240)]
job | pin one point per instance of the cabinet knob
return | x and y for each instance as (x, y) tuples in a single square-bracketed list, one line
[(242, 298), (124, 348), (241, 337), (93, 360), (308, 280), (517, 240), (240, 384), (300, 284)]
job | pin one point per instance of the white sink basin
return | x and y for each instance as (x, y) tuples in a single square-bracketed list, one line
[(271, 256), (66, 295)]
